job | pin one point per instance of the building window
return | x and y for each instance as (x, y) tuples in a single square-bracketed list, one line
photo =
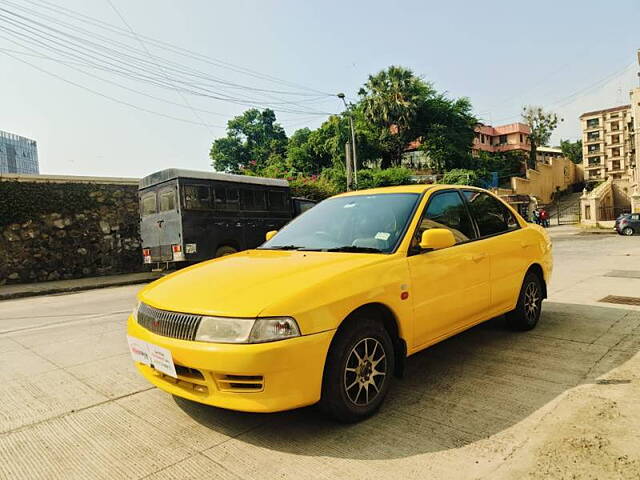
[(594, 148), (593, 136), (587, 212), (593, 122), (615, 152), (615, 126), (615, 139), (503, 139), (614, 115), (594, 161)]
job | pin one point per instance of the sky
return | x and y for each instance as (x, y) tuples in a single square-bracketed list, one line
[(569, 57)]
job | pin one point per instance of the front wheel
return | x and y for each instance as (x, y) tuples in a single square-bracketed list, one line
[(527, 312), (627, 231), (358, 371)]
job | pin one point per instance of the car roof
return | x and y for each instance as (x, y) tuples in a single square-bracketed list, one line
[(406, 189)]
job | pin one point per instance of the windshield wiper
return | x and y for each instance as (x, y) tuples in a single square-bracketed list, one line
[(354, 249), (283, 247)]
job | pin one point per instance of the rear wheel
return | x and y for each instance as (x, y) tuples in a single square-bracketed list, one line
[(225, 250), (627, 231), (358, 371), (527, 312)]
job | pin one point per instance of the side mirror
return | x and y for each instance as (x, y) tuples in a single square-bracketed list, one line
[(437, 238), (270, 234)]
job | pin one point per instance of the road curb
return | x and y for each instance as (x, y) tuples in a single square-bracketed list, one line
[(74, 288)]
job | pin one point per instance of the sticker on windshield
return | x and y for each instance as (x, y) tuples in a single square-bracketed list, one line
[(382, 236)]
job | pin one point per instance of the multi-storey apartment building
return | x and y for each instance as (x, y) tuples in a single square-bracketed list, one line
[(18, 154), (607, 144)]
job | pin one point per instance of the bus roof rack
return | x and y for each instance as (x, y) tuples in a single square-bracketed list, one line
[(171, 173)]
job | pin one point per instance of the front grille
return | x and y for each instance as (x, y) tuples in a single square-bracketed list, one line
[(168, 324)]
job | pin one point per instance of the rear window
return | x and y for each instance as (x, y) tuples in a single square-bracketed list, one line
[(167, 200), (148, 203)]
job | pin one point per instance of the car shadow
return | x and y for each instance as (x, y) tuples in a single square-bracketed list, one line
[(467, 388)]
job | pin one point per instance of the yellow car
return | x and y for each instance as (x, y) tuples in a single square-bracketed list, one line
[(329, 308)]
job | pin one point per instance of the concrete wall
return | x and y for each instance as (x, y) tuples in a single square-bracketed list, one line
[(57, 227), (546, 179)]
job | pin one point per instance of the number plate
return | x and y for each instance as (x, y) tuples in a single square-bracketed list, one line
[(156, 357)]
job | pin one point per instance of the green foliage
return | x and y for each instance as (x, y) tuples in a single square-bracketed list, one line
[(377, 177), (572, 150), (461, 176), (252, 141), (313, 188), (400, 108), (507, 164), (21, 201), (542, 125)]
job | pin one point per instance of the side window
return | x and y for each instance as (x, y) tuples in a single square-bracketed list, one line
[(148, 203), (491, 215), (220, 198), (233, 199), (197, 197), (446, 210), (259, 200), (167, 200), (276, 201)]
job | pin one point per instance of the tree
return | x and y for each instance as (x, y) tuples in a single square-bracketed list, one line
[(254, 141), (399, 108), (572, 150), (542, 125), (461, 176), (391, 101)]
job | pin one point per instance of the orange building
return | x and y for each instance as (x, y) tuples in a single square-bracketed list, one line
[(504, 138)]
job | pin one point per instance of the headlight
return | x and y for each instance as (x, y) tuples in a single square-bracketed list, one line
[(134, 313), (246, 330)]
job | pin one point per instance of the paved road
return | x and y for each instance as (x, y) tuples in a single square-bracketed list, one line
[(560, 401)]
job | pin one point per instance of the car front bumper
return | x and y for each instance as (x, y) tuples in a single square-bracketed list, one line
[(263, 377)]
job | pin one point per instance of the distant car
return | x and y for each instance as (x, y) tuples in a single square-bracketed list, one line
[(628, 224), (329, 307)]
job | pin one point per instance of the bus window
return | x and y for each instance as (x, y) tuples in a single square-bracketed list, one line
[(259, 200), (276, 201), (220, 198), (233, 199), (167, 200), (197, 197), (247, 199), (148, 203)]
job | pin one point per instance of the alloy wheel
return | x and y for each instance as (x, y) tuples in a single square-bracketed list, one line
[(628, 231), (532, 300), (365, 371)]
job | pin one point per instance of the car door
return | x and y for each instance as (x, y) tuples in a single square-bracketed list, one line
[(449, 287), (503, 239)]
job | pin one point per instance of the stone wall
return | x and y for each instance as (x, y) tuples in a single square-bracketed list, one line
[(55, 227)]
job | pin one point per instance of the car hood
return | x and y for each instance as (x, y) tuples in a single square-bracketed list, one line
[(246, 283)]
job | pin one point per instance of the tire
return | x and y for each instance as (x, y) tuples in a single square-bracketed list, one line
[(627, 231), (225, 250), (351, 389), (527, 312)]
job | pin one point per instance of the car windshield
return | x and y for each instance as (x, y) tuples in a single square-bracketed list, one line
[(359, 223)]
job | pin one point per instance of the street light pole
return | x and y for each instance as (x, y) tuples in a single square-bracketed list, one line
[(354, 157)]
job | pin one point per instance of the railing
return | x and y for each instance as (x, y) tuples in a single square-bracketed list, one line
[(611, 213)]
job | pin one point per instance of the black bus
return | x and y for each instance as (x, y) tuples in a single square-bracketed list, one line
[(187, 216)]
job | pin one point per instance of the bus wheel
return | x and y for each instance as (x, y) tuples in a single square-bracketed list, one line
[(225, 250)]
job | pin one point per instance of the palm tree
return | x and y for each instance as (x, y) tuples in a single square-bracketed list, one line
[(391, 100)]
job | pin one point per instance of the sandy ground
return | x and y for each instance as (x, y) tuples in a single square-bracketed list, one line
[(562, 401)]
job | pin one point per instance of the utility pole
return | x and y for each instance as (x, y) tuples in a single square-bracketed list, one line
[(348, 164), (354, 157)]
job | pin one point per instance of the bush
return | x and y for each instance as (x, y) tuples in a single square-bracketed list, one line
[(313, 188), (376, 177), (460, 176)]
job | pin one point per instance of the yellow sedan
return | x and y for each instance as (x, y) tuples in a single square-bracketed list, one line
[(328, 309)]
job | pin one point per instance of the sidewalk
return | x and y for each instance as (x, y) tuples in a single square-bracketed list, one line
[(62, 286)]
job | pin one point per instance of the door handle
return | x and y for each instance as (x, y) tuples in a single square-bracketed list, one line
[(476, 257)]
